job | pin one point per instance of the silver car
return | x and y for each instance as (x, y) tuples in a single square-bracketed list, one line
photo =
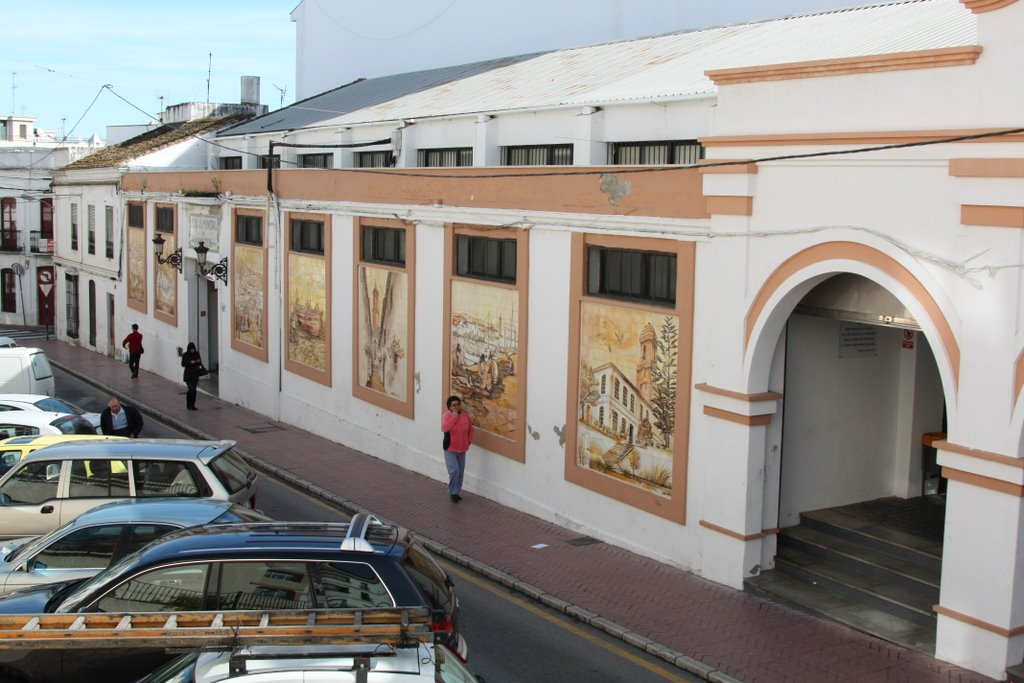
[(103, 535), (56, 484), (47, 404)]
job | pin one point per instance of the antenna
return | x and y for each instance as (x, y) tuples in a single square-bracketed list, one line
[(281, 90), (209, 71)]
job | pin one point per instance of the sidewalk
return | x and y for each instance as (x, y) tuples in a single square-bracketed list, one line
[(708, 629)]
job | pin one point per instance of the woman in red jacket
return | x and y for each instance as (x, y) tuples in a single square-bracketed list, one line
[(458, 428)]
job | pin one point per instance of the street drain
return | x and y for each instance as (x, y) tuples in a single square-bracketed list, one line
[(263, 428), (583, 540)]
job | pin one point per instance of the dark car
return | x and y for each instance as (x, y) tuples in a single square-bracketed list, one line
[(254, 566)]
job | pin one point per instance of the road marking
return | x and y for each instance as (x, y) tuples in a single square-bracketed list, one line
[(503, 592)]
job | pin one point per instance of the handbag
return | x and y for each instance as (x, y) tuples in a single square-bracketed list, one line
[(447, 442), (203, 371)]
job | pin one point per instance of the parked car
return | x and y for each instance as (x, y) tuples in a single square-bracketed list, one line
[(12, 450), (46, 403), (30, 423), (25, 370), (265, 566), (55, 484), (105, 534), (427, 663)]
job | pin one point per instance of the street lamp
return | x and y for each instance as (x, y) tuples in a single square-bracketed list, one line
[(158, 251), (218, 270)]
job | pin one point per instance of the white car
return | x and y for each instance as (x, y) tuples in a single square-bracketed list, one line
[(33, 422), (44, 403)]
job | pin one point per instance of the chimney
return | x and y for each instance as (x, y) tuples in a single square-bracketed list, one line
[(251, 90)]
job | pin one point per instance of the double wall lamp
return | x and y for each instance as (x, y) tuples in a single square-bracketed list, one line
[(219, 270)]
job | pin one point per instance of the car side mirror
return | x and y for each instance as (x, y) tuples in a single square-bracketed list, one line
[(52, 472)]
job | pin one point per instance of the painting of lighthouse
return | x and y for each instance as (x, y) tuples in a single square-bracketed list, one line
[(383, 336)]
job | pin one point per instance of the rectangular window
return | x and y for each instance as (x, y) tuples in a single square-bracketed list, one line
[(74, 227), (8, 291), (71, 304), (308, 236), (249, 230), (270, 161), (91, 230), (382, 159), (485, 258), (438, 158), (644, 276), (384, 245), (165, 219), (657, 153), (316, 161), (135, 216), (231, 163), (46, 219), (9, 224), (108, 234), (537, 155)]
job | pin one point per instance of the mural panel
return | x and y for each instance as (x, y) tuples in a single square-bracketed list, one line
[(250, 283), (307, 304), (137, 265), (383, 330), (485, 354), (165, 297), (627, 395)]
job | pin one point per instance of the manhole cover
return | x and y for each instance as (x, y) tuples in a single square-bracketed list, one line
[(263, 428), (583, 540)]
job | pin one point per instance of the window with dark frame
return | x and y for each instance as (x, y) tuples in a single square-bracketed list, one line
[(231, 163), (445, 157), (249, 230), (270, 161), (71, 304), (382, 159), (74, 227), (485, 258), (109, 231), (667, 152), (91, 229), (537, 155), (316, 160), (384, 245), (9, 230), (46, 218), (308, 236), (135, 216), (165, 219), (641, 276), (8, 291)]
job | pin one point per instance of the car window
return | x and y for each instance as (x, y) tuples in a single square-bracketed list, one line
[(352, 584), (33, 483), (41, 366), (9, 430), (450, 669), (72, 424), (144, 534), (4, 407), (232, 471), (9, 459), (168, 589), (99, 478), (427, 575), (264, 585), (90, 548), (161, 478), (55, 405)]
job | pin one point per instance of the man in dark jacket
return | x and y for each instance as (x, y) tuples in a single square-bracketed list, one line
[(120, 420)]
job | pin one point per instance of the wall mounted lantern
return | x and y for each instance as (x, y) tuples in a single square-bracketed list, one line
[(158, 251), (218, 270)]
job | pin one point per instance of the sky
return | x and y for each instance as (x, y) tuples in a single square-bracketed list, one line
[(57, 56)]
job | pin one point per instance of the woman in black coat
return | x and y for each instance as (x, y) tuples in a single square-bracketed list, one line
[(193, 364)]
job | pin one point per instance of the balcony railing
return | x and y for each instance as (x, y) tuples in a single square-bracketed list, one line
[(39, 244), (10, 240)]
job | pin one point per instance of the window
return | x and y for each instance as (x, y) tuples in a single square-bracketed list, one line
[(382, 159), (384, 245), (231, 163), (71, 304), (352, 584), (436, 158), (89, 548), (9, 224), (232, 471), (108, 230), (657, 153), (144, 534), (99, 479), (308, 236), (164, 479), (136, 217), (46, 219), (91, 229), (165, 218), (8, 291), (485, 258), (264, 585), (91, 304), (316, 161), (646, 276), (34, 483), (169, 589), (249, 229), (270, 161), (537, 155), (74, 227)]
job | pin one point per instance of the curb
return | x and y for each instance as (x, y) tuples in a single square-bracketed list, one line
[(666, 654)]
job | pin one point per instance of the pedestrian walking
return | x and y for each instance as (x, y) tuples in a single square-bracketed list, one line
[(120, 420), (457, 426), (194, 369), (133, 342)]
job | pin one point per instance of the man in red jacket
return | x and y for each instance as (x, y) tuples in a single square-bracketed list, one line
[(458, 428), (133, 342)]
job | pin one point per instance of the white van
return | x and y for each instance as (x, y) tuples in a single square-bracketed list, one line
[(25, 371)]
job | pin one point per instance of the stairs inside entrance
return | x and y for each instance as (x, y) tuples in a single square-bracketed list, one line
[(871, 566)]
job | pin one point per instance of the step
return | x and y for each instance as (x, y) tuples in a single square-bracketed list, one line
[(840, 577), (816, 600), (863, 559), (878, 535)]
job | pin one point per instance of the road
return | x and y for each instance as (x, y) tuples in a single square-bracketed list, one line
[(511, 639)]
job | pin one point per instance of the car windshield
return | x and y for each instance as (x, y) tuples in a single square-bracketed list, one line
[(180, 670), (68, 601), (55, 405), (232, 471), (38, 542)]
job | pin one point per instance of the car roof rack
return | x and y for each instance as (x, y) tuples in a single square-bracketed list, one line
[(355, 538), (361, 659), (397, 626)]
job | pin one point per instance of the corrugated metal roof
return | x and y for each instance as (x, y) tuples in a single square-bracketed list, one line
[(656, 68)]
